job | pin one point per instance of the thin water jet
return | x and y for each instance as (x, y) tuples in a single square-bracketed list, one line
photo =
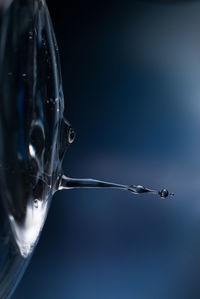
[(65, 182)]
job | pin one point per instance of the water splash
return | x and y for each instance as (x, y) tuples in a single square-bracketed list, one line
[(34, 135)]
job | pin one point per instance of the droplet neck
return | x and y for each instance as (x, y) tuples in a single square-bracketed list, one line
[(73, 183)]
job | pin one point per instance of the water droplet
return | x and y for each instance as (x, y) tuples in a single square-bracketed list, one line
[(164, 193)]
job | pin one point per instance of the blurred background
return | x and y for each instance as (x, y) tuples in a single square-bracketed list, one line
[(131, 79)]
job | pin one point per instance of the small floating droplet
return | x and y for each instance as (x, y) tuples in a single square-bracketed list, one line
[(164, 193)]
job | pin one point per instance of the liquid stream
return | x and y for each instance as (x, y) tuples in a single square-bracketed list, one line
[(71, 183)]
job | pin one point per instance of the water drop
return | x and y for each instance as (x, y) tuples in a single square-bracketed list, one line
[(164, 193)]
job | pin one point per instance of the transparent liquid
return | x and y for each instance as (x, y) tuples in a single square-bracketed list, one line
[(34, 136)]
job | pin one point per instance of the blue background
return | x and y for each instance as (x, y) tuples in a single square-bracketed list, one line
[(131, 78)]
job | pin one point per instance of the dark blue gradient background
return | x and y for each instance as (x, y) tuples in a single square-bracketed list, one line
[(131, 76)]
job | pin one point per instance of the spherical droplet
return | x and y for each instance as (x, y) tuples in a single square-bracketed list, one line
[(164, 193)]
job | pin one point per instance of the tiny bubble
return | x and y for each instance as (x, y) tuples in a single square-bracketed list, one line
[(36, 204), (30, 35)]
